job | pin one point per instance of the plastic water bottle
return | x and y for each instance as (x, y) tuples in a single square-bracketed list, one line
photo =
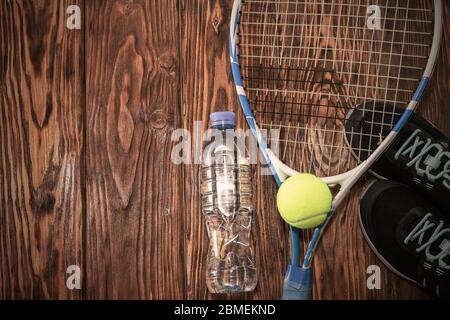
[(227, 209)]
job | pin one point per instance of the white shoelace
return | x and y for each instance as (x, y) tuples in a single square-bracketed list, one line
[(418, 233)]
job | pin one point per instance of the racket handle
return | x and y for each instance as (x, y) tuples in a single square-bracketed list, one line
[(297, 283)]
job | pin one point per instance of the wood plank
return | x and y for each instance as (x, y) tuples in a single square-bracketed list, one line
[(134, 208), (41, 143), (208, 87)]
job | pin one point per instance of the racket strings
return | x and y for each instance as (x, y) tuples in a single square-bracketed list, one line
[(250, 36), (360, 4), (297, 115), (352, 16), (307, 65)]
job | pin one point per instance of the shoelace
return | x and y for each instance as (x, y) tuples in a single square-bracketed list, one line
[(418, 233), (426, 165)]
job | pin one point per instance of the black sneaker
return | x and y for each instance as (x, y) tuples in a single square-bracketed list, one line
[(419, 157), (408, 234)]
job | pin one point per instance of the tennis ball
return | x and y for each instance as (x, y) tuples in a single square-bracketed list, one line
[(304, 201)]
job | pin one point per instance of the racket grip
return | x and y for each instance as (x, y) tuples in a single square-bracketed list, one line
[(297, 283)]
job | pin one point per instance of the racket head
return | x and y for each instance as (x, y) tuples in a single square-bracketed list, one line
[(302, 68)]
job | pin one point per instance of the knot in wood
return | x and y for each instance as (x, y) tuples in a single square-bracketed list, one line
[(158, 119), (217, 17), (127, 8), (167, 62)]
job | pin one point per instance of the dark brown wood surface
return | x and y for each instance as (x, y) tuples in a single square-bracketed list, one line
[(134, 217), (41, 143), (86, 176)]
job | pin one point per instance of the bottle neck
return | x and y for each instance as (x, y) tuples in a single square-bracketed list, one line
[(224, 127)]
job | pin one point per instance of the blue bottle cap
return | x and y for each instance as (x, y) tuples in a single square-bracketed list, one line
[(224, 118)]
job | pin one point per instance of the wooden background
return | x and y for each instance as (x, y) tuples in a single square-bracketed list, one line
[(85, 142)]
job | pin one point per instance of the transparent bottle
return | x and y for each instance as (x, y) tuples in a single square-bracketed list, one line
[(227, 208)]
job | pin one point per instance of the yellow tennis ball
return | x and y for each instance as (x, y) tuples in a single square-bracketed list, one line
[(304, 201)]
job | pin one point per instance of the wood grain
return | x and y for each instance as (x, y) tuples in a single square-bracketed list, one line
[(134, 211), (205, 89), (86, 176), (41, 133)]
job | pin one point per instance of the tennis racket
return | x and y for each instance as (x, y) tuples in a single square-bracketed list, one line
[(323, 78)]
